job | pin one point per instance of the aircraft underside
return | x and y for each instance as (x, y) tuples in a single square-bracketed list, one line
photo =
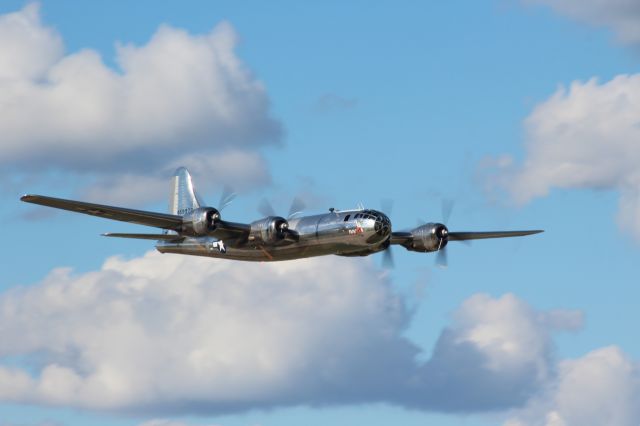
[(215, 248)]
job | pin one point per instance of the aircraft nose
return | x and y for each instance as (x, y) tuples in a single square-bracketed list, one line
[(382, 225)]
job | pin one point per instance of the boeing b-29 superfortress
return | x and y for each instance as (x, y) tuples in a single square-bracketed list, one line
[(192, 228)]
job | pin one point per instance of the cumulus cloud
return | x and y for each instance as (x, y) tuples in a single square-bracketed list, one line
[(621, 16), (175, 334), (602, 387), (585, 136), (28, 48), (496, 354), (172, 332), (178, 95)]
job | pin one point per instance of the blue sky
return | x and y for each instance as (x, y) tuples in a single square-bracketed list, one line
[(523, 112)]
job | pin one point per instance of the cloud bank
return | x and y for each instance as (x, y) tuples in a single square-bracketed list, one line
[(621, 16), (586, 136), (178, 98), (174, 335)]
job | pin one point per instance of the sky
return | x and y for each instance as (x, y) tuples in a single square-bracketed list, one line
[(523, 112)]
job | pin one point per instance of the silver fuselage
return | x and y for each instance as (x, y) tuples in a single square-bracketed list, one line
[(345, 233)]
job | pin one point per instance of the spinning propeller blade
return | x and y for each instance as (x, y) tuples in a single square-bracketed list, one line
[(297, 207), (446, 208), (442, 258), (387, 259), (226, 198), (265, 208)]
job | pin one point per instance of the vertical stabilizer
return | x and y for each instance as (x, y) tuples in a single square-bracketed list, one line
[(183, 198)]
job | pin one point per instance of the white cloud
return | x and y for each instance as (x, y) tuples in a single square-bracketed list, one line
[(602, 387), (583, 137), (28, 48), (176, 334), (496, 354), (178, 95), (622, 16)]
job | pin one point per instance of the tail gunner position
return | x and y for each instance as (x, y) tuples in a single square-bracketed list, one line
[(192, 228)]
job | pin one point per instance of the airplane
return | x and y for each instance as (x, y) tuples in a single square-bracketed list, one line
[(192, 228)]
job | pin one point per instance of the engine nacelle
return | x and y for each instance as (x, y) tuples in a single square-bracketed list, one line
[(268, 231), (201, 221), (428, 237)]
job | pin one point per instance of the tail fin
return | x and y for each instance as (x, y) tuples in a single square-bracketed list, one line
[(183, 198)]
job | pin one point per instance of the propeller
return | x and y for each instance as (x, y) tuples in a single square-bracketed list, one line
[(446, 207), (297, 207), (265, 207), (226, 198), (441, 256), (386, 206), (387, 258)]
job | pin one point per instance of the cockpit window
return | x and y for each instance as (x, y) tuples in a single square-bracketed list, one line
[(346, 218)]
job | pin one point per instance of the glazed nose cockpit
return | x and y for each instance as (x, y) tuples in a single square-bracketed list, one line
[(382, 225), (375, 221)]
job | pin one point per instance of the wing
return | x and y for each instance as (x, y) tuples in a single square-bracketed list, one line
[(157, 237), (404, 237), (140, 217), (463, 236), (231, 231)]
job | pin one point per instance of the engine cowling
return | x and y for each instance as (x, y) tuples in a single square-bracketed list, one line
[(270, 230), (201, 221), (428, 237)]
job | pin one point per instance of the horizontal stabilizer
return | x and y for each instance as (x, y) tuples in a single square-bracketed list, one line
[(463, 236), (157, 237), (140, 217)]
